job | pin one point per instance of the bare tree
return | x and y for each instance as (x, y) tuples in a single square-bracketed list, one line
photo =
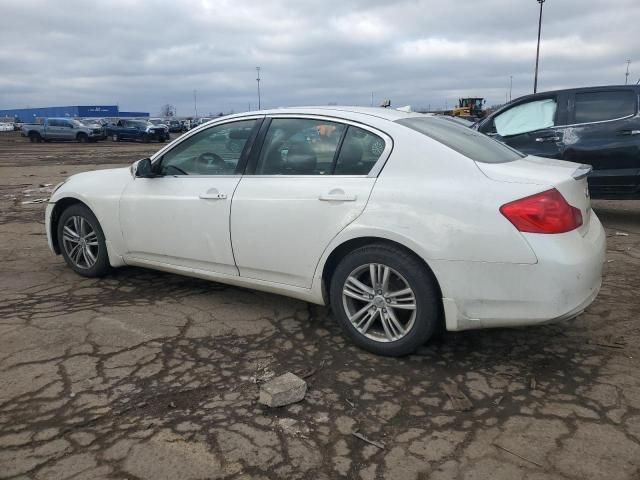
[(167, 110)]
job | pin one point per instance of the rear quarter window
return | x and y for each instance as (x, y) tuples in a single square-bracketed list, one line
[(601, 106), (466, 141)]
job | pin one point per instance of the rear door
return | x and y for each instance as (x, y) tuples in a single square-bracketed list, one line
[(604, 132), (311, 178), (54, 130), (534, 126)]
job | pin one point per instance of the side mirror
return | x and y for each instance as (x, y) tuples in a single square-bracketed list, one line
[(143, 169)]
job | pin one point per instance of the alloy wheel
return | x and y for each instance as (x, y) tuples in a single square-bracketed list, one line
[(80, 242), (379, 302)]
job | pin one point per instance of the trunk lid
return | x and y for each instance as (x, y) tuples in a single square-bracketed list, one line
[(569, 178)]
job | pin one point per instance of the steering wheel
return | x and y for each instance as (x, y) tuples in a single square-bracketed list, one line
[(210, 160)]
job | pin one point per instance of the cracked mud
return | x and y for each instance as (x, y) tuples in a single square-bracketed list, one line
[(146, 375)]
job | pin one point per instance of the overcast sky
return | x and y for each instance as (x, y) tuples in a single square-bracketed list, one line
[(141, 55)]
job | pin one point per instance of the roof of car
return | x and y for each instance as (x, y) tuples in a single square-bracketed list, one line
[(338, 111), (581, 89)]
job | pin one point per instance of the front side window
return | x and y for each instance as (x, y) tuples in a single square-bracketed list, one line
[(527, 117), (297, 146), (214, 151), (360, 151), (600, 106)]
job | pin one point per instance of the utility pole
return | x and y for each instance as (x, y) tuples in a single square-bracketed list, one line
[(258, 80), (195, 102), (372, 99), (626, 75), (535, 81), (510, 86)]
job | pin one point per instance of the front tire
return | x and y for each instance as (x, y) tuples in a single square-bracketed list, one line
[(82, 242), (115, 138), (82, 138), (385, 300)]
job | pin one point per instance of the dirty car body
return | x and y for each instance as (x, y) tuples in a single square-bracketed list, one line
[(599, 126), (402, 222)]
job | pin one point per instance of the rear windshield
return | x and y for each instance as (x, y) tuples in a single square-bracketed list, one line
[(470, 143)]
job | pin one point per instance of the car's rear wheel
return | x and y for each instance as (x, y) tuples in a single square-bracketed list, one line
[(82, 242), (115, 137), (385, 300)]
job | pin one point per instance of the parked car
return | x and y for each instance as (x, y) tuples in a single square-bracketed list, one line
[(137, 130), (599, 126), (440, 227), (6, 127), (61, 129), (174, 126), (95, 124)]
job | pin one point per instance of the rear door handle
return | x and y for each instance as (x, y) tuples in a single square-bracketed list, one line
[(337, 195), (548, 139), (213, 194)]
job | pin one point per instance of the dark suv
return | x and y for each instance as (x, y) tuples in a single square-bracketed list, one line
[(599, 126)]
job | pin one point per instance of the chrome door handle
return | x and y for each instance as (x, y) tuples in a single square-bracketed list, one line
[(213, 194), (548, 139), (337, 197)]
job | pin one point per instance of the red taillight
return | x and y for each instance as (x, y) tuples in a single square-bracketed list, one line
[(545, 212)]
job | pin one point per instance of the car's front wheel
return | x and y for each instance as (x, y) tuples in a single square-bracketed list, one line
[(385, 300), (82, 242)]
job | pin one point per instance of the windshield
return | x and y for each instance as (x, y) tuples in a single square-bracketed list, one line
[(470, 143), (156, 121)]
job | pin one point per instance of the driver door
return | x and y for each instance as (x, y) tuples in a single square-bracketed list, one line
[(181, 217)]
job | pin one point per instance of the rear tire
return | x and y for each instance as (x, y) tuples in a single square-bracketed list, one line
[(82, 242), (383, 319), (115, 138)]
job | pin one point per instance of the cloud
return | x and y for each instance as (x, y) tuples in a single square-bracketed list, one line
[(143, 54)]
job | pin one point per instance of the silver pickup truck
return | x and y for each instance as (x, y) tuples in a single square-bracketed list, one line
[(62, 129)]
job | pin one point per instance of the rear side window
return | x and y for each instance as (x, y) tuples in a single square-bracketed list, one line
[(360, 151), (470, 143), (299, 146), (599, 106)]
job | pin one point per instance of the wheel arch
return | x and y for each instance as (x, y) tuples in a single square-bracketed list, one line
[(341, 250), (60, 206)]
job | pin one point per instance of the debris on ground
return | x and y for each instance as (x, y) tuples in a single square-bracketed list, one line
[(263, 374), (516, 455), (283, 390), (532, 383), (610, 342), (622, 234), (379, 445), (498, 400), (172, 405), (35, 200), (458, 399), (313, 371)]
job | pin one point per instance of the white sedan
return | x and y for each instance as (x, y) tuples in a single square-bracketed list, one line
[(403, 223)]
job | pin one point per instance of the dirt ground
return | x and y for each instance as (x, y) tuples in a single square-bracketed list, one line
[(146, 375)]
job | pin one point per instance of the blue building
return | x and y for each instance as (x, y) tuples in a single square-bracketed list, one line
[(79, 111)]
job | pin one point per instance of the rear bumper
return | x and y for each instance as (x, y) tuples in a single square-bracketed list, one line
[(562, 284)]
